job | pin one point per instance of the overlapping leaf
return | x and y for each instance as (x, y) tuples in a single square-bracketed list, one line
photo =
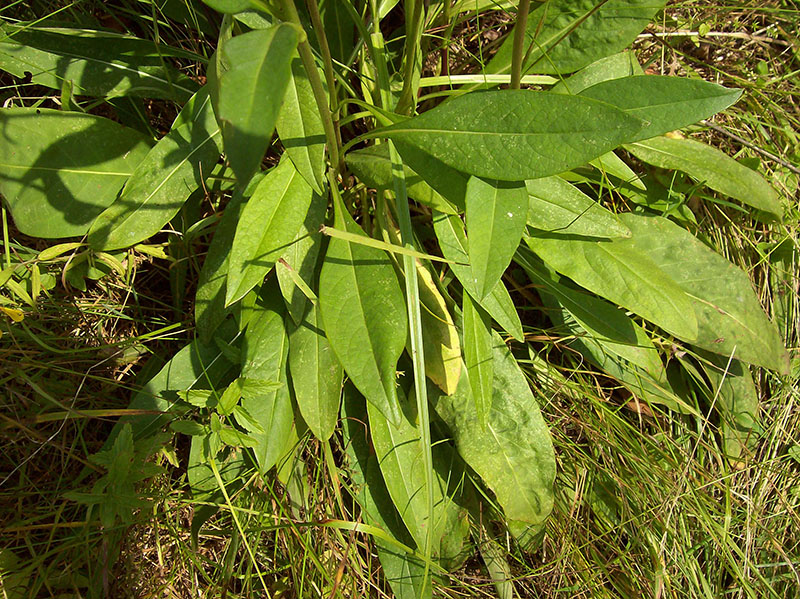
[(59, 170), (513, 135)]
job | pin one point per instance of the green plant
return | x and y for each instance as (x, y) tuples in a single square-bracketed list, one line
[(291, 300)]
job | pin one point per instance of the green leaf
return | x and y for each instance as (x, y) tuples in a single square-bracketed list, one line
[(171, 171), (269, 223), (478, 356), (496, 216), (230, 397), (566, 35), (339, 29), (316, 375), (95, 63), (399, 454), (604, 322), (364, 313), (230, 6), (250, 93), (236, 438), (736, 400), (266, 348), (200, 398), (196, 365), (557, 206), (622, 274), (188, 427), (730, 318), (712, 168), (623, 64), (513, 453), (230, 465), (513, 135), (209, 303), (300, 128), (663, 103), (59, 170), (374, 168), (301, 256), (442, 349), (453, 243)]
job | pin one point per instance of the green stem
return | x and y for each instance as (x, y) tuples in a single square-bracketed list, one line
[(327, 64), (519, 43), (407, 102), (321, 98)]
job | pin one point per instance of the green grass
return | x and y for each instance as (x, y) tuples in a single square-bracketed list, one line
[(646, 504)]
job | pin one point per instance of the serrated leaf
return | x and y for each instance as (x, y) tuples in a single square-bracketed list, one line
[(59, 170), (95, 63), (230, 397), (209, 304), (442, 349), (557, 206), (364, 314), (496, 216), (566, 35), (514, 135), (235, 438), (712, 168), (453, 243), (730, 318), (202, 482), (623, 275), (316, 375), (300, 128), (200, 398), (478, 360), (268, 224), (512, 453), (663, 103), (266, 348), (302, 257), (246, 420), (250, 93), (171, 171), (188, 427)]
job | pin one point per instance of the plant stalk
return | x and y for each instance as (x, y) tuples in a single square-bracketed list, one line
[(321, 98), (407, 102), (327, 65), (519, 43)]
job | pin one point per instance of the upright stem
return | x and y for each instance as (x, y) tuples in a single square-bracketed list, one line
[(327, 64), (321, 98), (407, 102), (519, 43)]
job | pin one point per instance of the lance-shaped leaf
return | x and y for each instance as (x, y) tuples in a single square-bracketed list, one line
[(59, 170), (439, 335), (364, 313), (174, 168), (566, 35), (400, 457), (265, 351), (453, 243), (373, 167), (268, 225), (735, 398), (300, 128), (623, 64), (663, 103), (301, 256), (496, 216), (316, 375), (514, 135), (209, 304), (478, 343), (557, 206), (730, 318), (250, 91), (712, 168), (513, 452), (97, 63)]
